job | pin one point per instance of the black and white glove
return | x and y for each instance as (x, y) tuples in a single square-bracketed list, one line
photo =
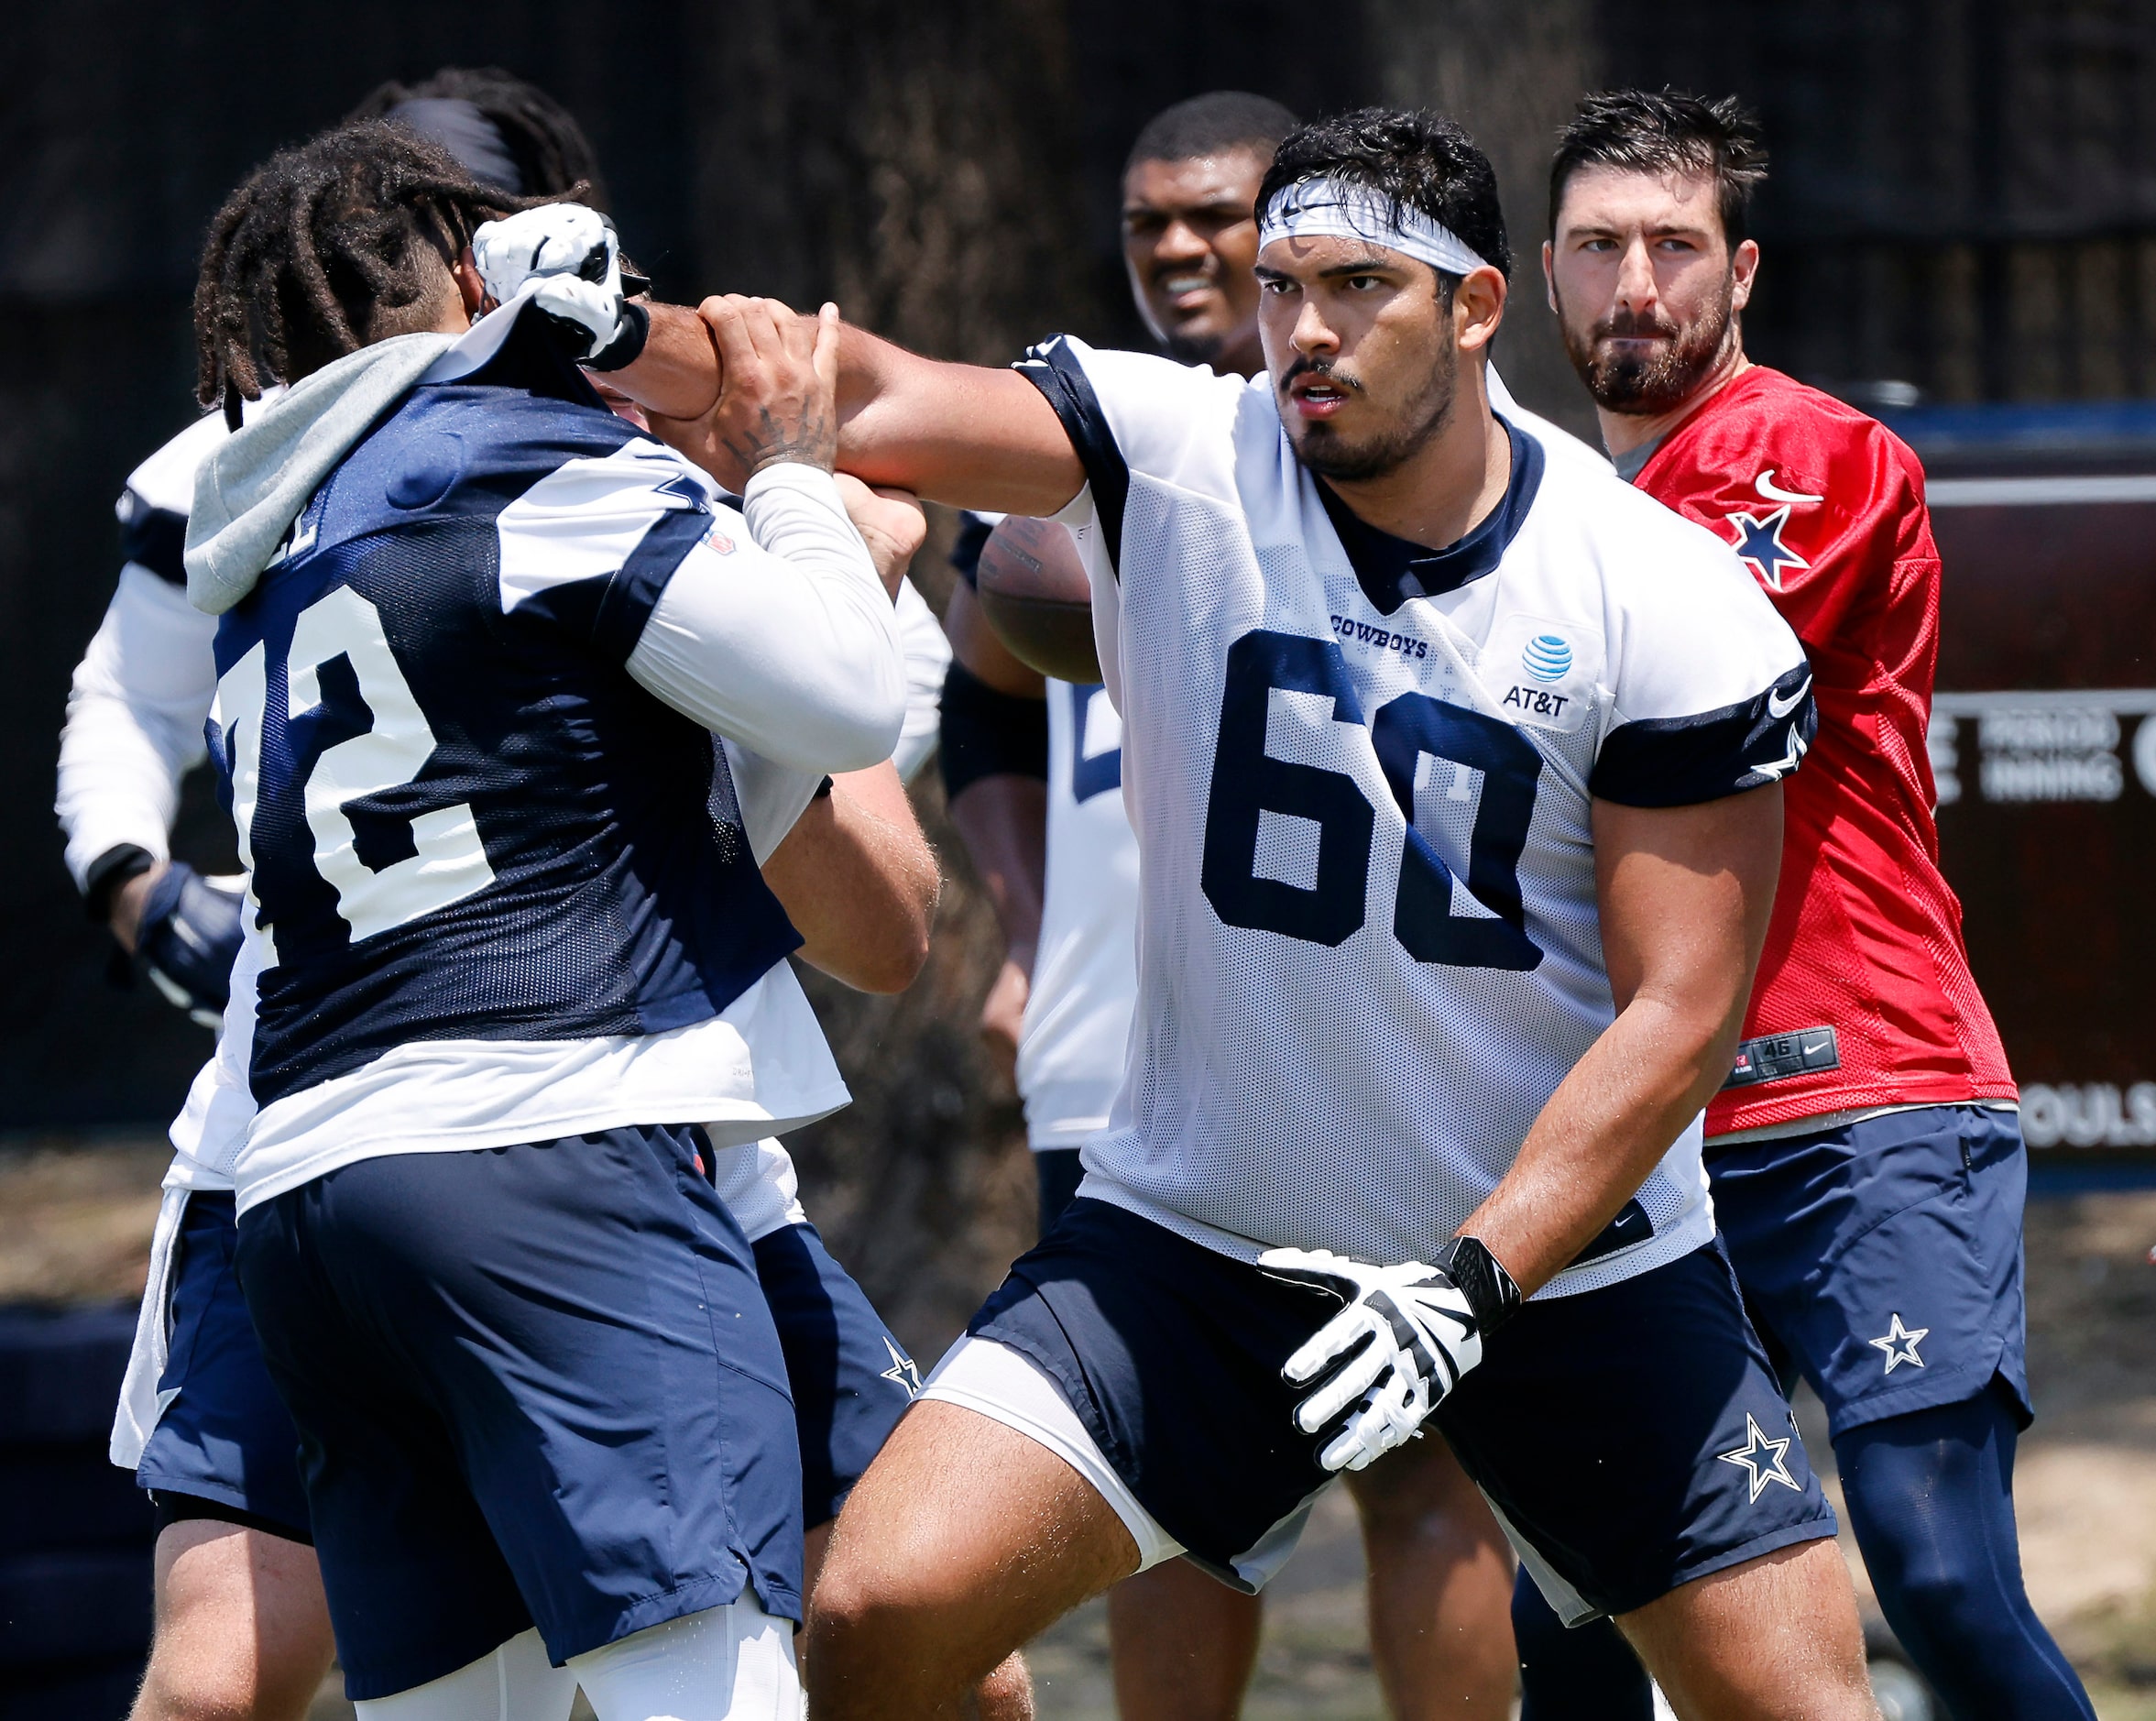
[(188, 939), (566, 260), (1408, 1335)]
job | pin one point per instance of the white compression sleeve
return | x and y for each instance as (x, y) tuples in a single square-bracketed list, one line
[(513, 1683), (134, 720), (788, 645), (774, 797), (733, 1663), (929, 656)]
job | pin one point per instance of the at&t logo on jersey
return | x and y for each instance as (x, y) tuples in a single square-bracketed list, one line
[(1542, 670), (1546, 658)]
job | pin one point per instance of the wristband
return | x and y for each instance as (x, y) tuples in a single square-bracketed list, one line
[(627, 346), (1483, 1280), (111, 870), (990, 734)]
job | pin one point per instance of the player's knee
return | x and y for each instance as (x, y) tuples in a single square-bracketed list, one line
[(859, 1616), (1936, 1595), (877, 1628), (218, 1684)]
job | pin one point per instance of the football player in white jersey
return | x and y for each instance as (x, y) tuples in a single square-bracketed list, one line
[(1184, 1646), (1456, 774)]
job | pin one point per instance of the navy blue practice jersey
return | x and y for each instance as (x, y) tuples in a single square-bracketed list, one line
[(463, 818)]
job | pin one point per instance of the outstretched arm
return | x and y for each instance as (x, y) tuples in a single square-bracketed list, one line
[(971, 436), (967, 435), (1685, 893)]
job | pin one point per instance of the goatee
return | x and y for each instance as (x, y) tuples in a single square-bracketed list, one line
[(1322, 449), (1644, 385)]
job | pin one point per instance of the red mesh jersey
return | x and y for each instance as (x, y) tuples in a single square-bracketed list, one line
[(1827, 508)]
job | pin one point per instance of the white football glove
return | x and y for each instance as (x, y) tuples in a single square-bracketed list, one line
[(1407, 1336), (566, 260)]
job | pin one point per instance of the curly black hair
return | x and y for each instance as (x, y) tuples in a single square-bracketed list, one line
[(1413, 158), (549, 146), (322, 246), (1666, 131)]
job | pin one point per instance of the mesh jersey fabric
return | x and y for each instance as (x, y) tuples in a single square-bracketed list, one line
[(1085, 971), (1827, 508), (466, 827), (1368, 945)]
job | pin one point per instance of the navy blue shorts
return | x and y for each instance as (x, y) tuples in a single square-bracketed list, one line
[(224, 1435), (533, 1385), (1056, 1174), (1882, 1260), (851, 1379), (1631, 1438)]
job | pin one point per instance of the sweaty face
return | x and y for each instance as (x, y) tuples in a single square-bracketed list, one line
[(1361, 347), (1189, 242), (1647, 288)]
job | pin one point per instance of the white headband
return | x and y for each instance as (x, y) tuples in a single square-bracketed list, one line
[(1333, 209)]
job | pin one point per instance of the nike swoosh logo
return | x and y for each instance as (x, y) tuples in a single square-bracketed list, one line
[(1779, 708), (1774, 492), (1809, 1049)]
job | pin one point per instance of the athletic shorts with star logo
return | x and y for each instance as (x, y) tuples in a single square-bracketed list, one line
[(1631, 1437), (1881, 1260)]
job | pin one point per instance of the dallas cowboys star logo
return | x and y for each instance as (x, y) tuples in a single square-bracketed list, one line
[(1900, 1342), (1759, 542), (902, 1371), (683, 488), (1764, 1461)]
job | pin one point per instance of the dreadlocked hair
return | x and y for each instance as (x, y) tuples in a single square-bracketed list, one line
[(328, 247), (549, 146)]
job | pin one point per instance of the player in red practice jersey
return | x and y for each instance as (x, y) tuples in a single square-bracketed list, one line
[(1866, 1158)]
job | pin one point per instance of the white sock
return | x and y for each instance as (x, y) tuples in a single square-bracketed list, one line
[(512, 1682), (733, 1663)]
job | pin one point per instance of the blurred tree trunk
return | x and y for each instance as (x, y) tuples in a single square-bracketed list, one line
[(919, 166), (1509, 73)]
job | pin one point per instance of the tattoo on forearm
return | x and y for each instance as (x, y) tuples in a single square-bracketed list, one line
[(810, 437)]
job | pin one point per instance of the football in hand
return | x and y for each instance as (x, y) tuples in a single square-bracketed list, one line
[(1032, 589)]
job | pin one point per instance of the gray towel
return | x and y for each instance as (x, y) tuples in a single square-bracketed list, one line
[(249, 492)]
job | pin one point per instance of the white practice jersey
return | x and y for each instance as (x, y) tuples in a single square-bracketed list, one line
[(1085, 971), (1361, 773), (143, 689)]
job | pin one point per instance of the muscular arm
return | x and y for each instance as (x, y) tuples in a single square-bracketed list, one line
[(966, 434), (1684, 896), (860, 883)]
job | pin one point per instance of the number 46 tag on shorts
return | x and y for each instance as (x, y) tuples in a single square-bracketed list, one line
[(1542, 672)]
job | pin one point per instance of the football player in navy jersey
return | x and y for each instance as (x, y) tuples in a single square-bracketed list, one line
[(1455, 767), (241, 1628), (506, 938), (1183, 1645)]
